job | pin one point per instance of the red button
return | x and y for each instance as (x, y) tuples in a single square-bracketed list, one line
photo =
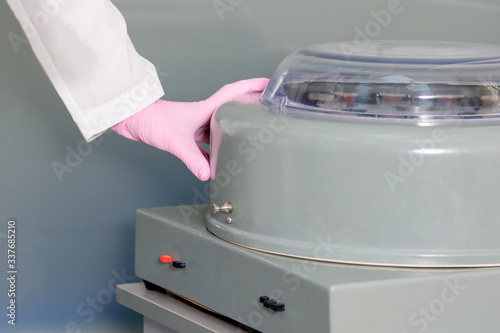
[(166, 259)]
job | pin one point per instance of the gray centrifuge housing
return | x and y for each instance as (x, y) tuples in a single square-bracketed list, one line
[(384, 154), (356, 159)]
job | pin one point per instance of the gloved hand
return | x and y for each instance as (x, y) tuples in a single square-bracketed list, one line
[(177, 127)]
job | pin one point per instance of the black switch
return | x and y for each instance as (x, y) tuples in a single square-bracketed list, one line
[(275, 306), (272, 304), (179, 264)]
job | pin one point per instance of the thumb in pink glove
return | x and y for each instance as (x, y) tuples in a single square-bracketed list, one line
[(177, 127)]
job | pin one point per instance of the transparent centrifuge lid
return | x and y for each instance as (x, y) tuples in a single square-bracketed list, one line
[(417, 82)]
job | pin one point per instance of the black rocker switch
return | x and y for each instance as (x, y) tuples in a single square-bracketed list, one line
[(179, 264), (272, 304)]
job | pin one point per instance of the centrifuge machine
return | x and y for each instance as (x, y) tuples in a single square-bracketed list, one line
[(359, 193)]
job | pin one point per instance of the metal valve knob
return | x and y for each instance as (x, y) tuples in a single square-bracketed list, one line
[(227, 207)]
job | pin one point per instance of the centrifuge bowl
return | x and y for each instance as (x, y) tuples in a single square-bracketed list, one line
[(358, 193), (376, 192)]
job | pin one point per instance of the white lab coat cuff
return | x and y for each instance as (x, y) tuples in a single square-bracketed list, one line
[(98, 120)]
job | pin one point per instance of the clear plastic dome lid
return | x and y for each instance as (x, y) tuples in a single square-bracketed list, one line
[(420, 82)]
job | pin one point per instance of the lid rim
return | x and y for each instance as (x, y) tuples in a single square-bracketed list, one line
[(392, 79)]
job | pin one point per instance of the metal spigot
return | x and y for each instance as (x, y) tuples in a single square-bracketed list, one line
[(227, 207)]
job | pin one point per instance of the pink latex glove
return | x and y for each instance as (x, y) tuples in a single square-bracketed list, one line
[(177, 127)]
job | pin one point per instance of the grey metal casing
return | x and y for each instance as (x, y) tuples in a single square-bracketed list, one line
[(373, 193), (319, 297)]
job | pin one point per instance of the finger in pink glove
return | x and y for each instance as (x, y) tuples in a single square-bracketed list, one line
[(177, 127)]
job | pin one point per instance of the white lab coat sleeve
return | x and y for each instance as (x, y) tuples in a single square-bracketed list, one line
[(85, 50)]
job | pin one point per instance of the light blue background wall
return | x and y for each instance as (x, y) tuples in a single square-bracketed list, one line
[(75, 232)]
